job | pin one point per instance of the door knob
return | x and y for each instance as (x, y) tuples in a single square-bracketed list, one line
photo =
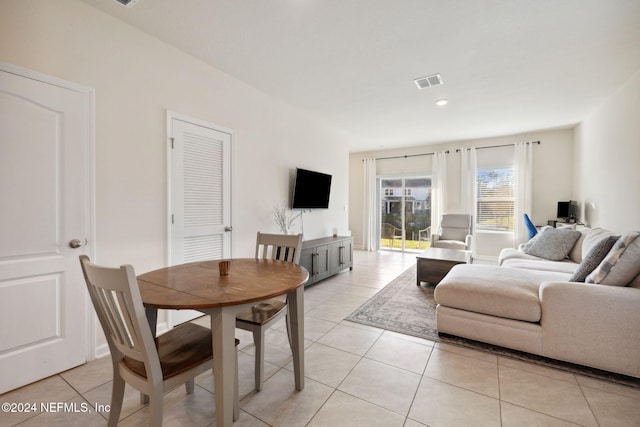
[(228, 228), (75, 243)]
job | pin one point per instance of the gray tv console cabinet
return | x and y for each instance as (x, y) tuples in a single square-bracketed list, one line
[(326, 256)]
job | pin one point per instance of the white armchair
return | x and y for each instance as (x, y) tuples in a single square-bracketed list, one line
[(454, 233)]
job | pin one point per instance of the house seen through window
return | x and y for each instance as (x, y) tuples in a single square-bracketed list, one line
[(405, 212)]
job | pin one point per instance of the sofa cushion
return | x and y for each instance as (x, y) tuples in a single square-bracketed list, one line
[(511, 253), (506, 292), (576, 253), (593, 258), (452, 244), (565, 266), (622, 263), (454, 234), (553, 244)]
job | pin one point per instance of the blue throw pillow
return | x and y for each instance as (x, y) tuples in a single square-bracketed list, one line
[(530, 227)]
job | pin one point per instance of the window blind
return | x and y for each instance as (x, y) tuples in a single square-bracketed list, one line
[(496, 199)]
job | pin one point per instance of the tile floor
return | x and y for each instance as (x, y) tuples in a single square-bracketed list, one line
[(355, 376)]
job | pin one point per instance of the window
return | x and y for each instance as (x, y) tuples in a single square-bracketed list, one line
[(404, 217), (496, 199)]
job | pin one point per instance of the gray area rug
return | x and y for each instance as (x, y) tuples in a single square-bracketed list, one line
[(401, 306), (404, 307)]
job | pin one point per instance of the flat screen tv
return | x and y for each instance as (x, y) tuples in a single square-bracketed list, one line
[(311, 190)]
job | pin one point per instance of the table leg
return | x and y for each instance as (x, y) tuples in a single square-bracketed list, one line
[(152, 318), (223, 325), (295, 302)]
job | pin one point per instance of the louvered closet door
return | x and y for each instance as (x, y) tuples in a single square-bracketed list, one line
[(200, 196)]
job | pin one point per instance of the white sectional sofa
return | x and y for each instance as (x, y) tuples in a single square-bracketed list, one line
[(528, 303)]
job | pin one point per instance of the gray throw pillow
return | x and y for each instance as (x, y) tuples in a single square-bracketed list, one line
[(593, 258), (553, 244), (621, 264), (533, 240)]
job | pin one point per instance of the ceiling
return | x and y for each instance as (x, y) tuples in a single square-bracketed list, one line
[(507, 66)]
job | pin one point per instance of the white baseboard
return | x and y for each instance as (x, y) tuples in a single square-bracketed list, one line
[(102, 351)]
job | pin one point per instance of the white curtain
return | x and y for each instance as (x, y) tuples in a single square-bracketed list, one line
[(369, 225), (468, 187), (438, 189), (522, 171)]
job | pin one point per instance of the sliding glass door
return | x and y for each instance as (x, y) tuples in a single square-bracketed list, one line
[(405, 212)]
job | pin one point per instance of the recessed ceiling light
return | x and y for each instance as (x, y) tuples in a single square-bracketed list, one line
[(442, 102)]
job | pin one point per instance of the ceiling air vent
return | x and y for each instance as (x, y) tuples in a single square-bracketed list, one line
[(127, 3), (425, 82)]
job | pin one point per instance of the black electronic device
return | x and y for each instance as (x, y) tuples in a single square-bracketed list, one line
[(311, 190), (568, 211)]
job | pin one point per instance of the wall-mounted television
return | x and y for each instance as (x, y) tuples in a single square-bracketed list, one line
[(311, 190), (568, 210)]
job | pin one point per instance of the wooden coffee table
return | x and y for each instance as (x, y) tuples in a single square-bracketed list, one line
[(434, 263)]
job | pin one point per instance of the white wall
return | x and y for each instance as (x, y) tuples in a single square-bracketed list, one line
[(552, 176), (137, 78), (607, 158)]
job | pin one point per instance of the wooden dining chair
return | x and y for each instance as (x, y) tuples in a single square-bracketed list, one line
[(152, 366), (261, 316)]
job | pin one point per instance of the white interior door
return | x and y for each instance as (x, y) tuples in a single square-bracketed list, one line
[(45, 135), (200, 196)]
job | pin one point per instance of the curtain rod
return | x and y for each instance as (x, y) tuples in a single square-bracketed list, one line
[(406, 156), (496, 146)]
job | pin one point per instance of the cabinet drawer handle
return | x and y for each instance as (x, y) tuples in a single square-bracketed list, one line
[(314, 264)]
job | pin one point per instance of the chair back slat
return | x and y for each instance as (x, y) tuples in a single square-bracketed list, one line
[(116, 299), (281, 247), (127, 323), (113, 315), (122, 323)]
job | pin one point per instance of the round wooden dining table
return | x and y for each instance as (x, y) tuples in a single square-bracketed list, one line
[(200, 286)]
